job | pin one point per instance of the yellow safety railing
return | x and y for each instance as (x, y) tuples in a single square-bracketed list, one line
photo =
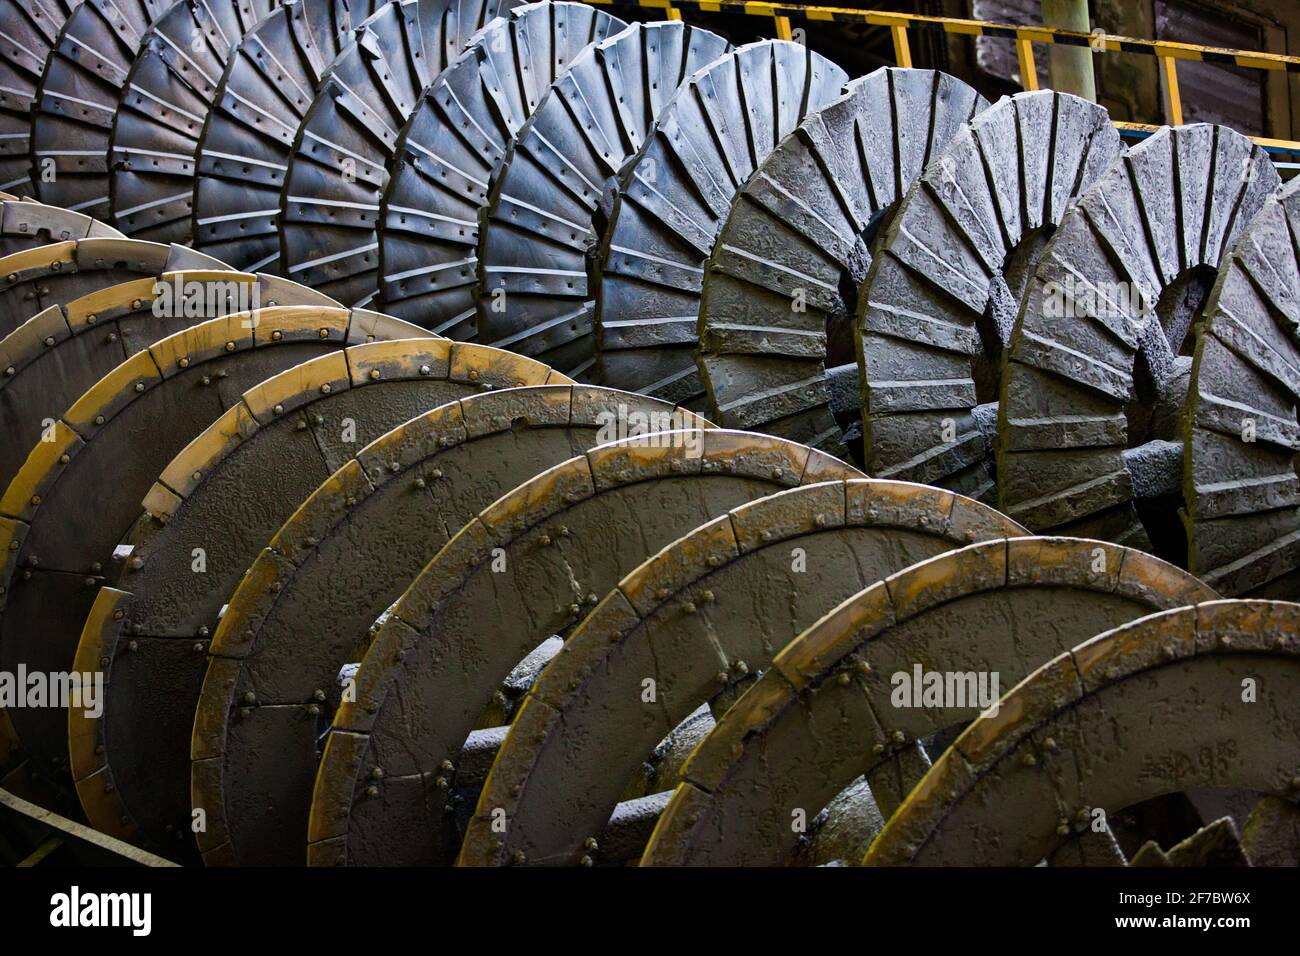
[(898, 24)]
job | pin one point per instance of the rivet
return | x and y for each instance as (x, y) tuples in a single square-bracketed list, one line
[(324, 333), (49, 341), (99, 419), (230, 346), (249, 697), (374, 375), (372, 790), (278, 410), (425, 370), (184, 363), (326, 389), (133, 645)]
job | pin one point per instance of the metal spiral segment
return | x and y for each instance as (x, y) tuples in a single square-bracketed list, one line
[(270, 81), (1104, 328), (452, 149), (546, 212), (160, 116), (706, 144), (781, 287), (455, 432), (32, 31), (329, 209), (942, 290)]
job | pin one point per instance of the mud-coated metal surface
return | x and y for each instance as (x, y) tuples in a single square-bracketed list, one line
[(339, 166), (1097, 369), (268, 84), (1239, 476), (24, 225), (674, 196), (781, 287), (345, 556), (536, 252), (699, 620), (164, 104), (451, 151), (1118, 720), (214, 507), (527, 567), (32, 28), (52, 358), (941, 296), (78, 95), (830, 710), (35, 279), (77, 494)]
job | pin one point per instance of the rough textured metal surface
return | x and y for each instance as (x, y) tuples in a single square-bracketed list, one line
[(35, 279), (706, 144), (226, 495), (525, 569), (829, 711), (1096, 363), (451, 150), (1115, 721), (781, 287), (547, 210), (944, 286), (164, 105), (701, 619), (329, 207), (52, 358), (268, 84), (77, 99), (344, 557), (77, 494), (31, 28), (28, 223), (1240, 433)]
